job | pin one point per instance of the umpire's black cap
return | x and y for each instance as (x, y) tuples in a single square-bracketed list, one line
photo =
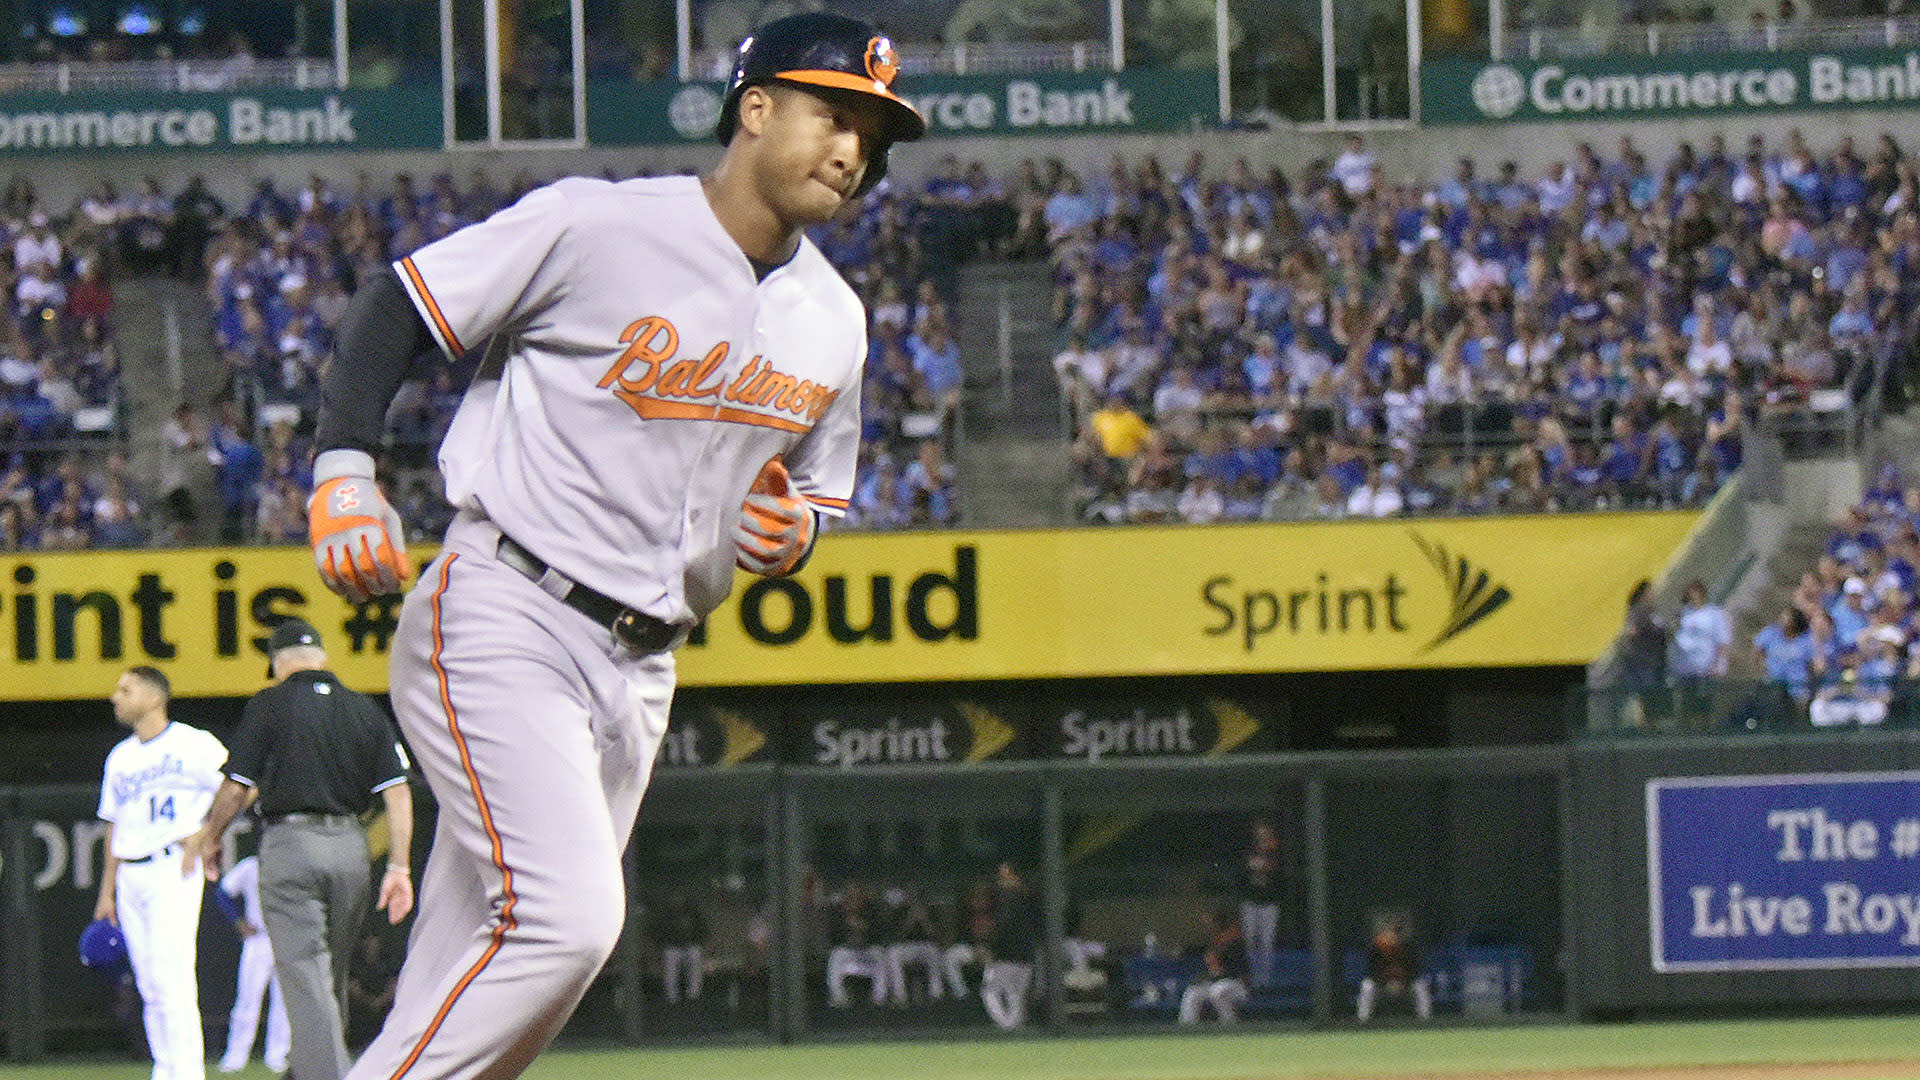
[(292, 633)]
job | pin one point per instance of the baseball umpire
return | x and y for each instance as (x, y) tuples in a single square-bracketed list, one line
[(313, 754), (670, 387)]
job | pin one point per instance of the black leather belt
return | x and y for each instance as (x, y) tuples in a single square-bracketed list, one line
[(166, 852), (637, 630)]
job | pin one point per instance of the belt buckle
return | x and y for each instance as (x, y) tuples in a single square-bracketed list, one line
[(643, 633)]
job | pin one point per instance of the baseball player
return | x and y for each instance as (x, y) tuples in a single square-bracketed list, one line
[(242, 884), (669, 388), (157, 785)]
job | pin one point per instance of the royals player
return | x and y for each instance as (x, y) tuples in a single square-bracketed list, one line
[(255, 977), (670, 387), (157, 785)]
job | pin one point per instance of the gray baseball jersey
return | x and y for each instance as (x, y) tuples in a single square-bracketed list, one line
[(647, 377), (639, 374)]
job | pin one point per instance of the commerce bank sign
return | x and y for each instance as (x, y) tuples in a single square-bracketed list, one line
[(1639, 87), (405, 117)]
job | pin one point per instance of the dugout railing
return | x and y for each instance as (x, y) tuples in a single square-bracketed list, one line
[(1698, 706), (1123, 852)]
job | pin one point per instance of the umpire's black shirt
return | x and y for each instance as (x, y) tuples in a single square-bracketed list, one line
[(312, 746)]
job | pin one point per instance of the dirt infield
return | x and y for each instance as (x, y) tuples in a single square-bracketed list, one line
[(1875, 1070)]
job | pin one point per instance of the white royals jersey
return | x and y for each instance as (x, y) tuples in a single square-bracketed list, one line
[(243, 884), (157, 792), (637, 377)]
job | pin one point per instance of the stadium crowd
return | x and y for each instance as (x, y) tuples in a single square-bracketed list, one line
[(1234, 346), (1846, 642), (1239, 346), (278, 270)]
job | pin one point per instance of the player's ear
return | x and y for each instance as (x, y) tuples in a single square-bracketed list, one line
[(756, 104)]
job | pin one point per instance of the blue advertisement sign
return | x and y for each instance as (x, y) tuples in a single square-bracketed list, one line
[(1774, 873)]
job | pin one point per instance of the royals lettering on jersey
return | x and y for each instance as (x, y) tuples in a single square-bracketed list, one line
[(657, 386), (158, 791), (639, 375), (128, 787)]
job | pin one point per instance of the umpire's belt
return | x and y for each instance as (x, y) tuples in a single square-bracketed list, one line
[(309, 817), (637, 630)]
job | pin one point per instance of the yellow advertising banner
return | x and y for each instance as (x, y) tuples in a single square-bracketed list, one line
[(938, 606)]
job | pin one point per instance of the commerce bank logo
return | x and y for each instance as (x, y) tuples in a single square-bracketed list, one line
[(694, 111), (1498, 91), (1365, 604)]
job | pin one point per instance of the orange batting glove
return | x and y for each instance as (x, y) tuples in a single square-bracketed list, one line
[(357, 540), (775, 527)]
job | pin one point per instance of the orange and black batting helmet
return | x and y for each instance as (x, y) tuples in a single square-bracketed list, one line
[(818, 50)]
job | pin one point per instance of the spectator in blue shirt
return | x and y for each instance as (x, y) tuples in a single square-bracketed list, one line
[(1462, 189), (238, 468), (1852, 325), (1850, 615), (880, 500), (936, 356), (928, 482), (1703, 637), (1850, 544), (1254, 456), (1069, 212), (1846, 188), (1624, 456), (1789, 654)]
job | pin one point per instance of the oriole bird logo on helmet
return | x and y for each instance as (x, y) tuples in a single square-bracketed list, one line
[(882, 62)]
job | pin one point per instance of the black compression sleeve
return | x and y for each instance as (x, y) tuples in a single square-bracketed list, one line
[(380, 334)]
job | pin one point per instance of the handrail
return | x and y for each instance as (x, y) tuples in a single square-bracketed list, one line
[(1654, 39), (1719, 706), (965, 58), (66, 77)]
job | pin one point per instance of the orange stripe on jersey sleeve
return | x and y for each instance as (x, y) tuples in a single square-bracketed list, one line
[(433, 307), (505, 920)]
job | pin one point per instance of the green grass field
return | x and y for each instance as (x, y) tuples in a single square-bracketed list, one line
[(1266, 1056)]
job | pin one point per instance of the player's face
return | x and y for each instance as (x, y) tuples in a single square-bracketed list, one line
[(133, 697), (814, 151)]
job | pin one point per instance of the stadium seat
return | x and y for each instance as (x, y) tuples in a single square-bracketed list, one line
[(1155, 983), (1289, 992)]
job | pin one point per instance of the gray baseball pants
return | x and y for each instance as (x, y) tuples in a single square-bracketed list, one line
[(536, 732), (314, 887)]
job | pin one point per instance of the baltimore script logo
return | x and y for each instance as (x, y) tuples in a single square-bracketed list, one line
[(1472, 595), (657, 386)]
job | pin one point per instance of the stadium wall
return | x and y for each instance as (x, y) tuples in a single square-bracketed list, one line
[(1747, 848), (1552, 853)]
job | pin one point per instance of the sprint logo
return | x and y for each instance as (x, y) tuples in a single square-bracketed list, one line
[(714, 738), (1472, 593)]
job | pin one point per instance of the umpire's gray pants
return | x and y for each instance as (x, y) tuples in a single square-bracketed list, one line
[(314, 884)]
